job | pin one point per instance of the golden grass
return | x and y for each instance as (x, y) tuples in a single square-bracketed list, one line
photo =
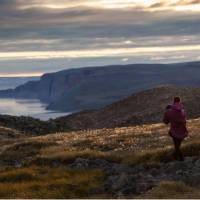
[(129, 145), (64, 156), (23, 150), (117, 139), (37, 182), (134, 139), (172, 190), (190, 148)]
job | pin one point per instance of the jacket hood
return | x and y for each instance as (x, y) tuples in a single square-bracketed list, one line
[(177, 106)]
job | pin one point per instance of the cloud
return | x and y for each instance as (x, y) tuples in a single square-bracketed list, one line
[(81, 21), (116, 52), (157, 5), (162, 58), (180, 5), (38, 29), (187, 2), (94, 24), (124, 59)]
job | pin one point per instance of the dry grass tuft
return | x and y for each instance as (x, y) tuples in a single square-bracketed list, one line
[(64, 156), (148, 144), (172, 190), (36, 182), (191, 148), (22, 150)]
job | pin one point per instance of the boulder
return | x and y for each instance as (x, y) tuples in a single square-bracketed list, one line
[(121, 181), (80, 163)]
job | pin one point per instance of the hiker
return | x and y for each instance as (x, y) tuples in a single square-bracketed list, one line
[(176, 117)]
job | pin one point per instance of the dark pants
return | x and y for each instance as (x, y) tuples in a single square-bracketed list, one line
[(177, 153)]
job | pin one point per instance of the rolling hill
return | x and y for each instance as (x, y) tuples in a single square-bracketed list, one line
[(140, 108)]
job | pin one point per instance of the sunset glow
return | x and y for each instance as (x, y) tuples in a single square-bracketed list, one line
[(21, 75), (151, 5), (95, 53), (49, 35)]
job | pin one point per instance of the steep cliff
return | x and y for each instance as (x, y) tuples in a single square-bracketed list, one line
[(92, 88)]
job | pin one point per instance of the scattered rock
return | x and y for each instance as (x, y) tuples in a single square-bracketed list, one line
[(121, 182), (80, 163), (56, 163), (17, 164), (119, 168), (197, 163), (143, 187), (193, 179), (100, 163), (119, 195), (154, 172)]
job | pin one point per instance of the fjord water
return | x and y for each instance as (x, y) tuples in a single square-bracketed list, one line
[(21, 107)]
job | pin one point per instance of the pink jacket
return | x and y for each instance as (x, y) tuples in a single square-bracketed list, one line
[(177, 118)]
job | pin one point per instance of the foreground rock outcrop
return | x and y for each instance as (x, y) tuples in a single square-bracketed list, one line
[(123, 180)]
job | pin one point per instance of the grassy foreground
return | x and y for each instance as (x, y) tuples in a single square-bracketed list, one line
[(172, 190), (45, 182), (38, 177)]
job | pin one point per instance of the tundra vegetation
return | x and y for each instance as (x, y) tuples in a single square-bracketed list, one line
[(130, 162)]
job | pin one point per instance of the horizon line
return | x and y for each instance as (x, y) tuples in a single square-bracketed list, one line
[(39, 74), (9, 75)]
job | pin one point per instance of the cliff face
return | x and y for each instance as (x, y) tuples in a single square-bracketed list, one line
[(92, 88)]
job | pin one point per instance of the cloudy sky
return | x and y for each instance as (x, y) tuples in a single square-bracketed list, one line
[(38, 36)]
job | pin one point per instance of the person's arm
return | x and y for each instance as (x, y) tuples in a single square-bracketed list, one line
[(166, 118), (182, 117)]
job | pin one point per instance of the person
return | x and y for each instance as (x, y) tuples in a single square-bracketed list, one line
[(175, 116)]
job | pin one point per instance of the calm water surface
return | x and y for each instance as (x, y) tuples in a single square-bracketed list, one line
[(32, 108)]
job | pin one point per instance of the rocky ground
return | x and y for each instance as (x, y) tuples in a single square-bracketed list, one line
[(134, 160), (125, 181)]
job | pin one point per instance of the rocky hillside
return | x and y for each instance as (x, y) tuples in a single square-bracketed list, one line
[(140, 108), (95, 87), (31, 126), (128, 162)]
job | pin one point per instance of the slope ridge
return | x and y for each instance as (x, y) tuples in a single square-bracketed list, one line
[(140, 108)]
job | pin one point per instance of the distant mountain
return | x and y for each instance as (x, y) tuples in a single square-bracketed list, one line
[(141, 108), (92, 88), (13, 82)]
